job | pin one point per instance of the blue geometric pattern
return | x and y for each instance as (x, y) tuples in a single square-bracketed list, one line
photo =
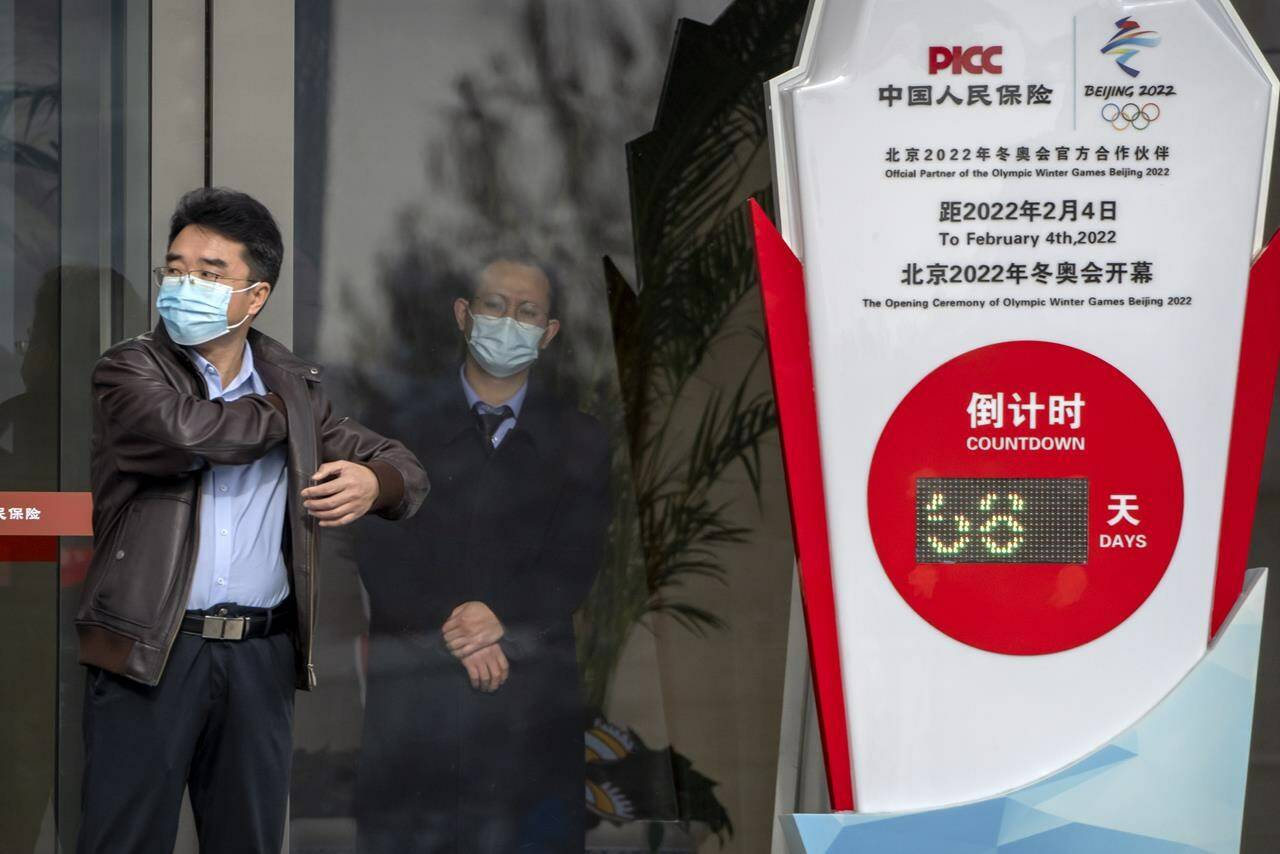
[(1171, 784)]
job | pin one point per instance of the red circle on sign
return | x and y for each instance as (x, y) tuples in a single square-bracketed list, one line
[(964, 421)]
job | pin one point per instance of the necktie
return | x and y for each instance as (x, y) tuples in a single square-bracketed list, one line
[(490, 418)]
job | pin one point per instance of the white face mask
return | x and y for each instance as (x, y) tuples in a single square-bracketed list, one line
[(503, 346)]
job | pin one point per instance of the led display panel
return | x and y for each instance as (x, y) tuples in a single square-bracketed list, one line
[(1002, 520)]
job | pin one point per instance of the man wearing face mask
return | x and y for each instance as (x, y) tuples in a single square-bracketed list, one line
[(473, 722), (216, 461)]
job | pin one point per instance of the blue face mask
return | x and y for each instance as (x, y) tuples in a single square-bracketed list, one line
[(503, 346), (195, 310)]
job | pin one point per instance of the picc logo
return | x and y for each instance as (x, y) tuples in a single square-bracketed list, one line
[(965, 60)]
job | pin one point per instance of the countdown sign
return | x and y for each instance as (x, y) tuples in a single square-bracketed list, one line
[(1016, 517), (1026, 229)]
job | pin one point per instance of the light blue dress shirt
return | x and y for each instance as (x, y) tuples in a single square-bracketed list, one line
[(242, 514), (516, 401)]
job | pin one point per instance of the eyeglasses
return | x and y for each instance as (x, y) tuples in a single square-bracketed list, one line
[(162, 273), (496, 305)]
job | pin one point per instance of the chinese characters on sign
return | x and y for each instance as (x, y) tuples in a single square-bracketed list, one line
[(988, 410), (1067, 210), (44, 514), (1123, 506), (975, 95), (1028, 154), (19, 514), (1040, 273)]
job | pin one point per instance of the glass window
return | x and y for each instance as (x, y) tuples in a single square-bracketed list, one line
[(458, 158), (73, 241)]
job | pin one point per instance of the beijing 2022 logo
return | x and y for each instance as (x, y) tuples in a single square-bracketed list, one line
[(1128, 40), (1130, 115)]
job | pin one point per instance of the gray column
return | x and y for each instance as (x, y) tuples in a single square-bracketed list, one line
[(251, 132)]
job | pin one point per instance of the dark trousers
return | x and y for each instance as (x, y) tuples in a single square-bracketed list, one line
[(219, 723), (445, 769)]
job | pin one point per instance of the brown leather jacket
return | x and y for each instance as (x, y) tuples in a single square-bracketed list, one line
[(154, 432)]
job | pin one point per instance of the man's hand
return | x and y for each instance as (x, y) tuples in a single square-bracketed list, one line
[(470, 628), (488, 669), (344, 492)]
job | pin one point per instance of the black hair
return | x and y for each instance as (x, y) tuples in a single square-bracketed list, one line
[(524, 259), (236, 216)]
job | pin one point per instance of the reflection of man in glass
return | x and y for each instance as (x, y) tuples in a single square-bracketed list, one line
[(473, 727)]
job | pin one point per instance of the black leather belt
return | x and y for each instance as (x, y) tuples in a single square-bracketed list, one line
[(221, 626)]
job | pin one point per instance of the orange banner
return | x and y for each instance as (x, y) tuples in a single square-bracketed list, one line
[(46, 514)]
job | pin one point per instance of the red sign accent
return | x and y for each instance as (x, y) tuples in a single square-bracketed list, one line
[(1120, 444), (1255, 389), (28, 549), (46, 514), (961, 60), (787, 325)]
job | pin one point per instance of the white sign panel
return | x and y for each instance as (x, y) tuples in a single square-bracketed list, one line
[(1026, 229)]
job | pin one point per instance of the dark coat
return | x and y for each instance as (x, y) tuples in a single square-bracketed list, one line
[(521, 528), (155, 432)]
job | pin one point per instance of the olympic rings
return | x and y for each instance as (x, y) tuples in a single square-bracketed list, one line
[(1130, 115)]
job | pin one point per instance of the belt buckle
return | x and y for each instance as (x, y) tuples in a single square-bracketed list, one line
[(224, 628)]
